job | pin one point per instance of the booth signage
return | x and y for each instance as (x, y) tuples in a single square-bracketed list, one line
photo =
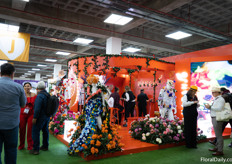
[(14, 46)]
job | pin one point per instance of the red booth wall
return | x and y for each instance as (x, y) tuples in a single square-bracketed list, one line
[(122, 79)]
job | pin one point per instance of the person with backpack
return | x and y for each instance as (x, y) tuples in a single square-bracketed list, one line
[(40, 120)]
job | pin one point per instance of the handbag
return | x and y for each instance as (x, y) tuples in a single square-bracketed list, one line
[(224, 115)]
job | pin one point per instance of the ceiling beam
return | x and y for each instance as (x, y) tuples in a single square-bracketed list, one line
[(56, 46), (162, 6), (169, 20), (166, 5), (76, 23), (198, 39)]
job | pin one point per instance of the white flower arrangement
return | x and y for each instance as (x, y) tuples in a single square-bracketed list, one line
[(180, 131), (158, 140)]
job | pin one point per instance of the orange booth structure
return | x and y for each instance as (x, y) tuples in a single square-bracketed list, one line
[(183, 67), (120, 71)]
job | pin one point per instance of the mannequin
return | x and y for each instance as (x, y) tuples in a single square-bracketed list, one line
[(94, 90), (167, 101), (93, 110)]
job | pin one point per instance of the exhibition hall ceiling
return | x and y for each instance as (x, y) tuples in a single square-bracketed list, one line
[(55, 24)]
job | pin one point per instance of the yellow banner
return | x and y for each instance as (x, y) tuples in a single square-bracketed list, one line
[(14, 46)]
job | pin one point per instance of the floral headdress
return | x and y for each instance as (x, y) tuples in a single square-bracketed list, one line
[(92, 79)]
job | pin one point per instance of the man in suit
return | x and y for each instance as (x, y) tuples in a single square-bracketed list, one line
[(142, 103)]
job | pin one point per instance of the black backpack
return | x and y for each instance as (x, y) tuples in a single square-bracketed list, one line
[(228, 98), (52, 105)]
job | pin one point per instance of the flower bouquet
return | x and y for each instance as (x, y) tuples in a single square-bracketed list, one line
[(56, 124), (158, 130)]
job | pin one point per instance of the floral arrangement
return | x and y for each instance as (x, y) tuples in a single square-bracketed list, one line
[(158, 130), (102, 141), (56, 124)]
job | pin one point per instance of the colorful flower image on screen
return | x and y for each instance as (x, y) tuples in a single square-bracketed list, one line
[(205, 75)]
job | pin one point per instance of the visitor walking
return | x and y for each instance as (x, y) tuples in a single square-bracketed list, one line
[(12, 97), (40, 120)]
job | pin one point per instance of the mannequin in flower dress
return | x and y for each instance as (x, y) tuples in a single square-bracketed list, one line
[(93, 110), (167, 101)]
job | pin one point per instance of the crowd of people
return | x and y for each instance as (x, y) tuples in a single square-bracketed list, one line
[(21, 110), (129, 102), (190, 104)]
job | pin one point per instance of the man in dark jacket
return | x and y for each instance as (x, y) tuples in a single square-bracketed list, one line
[(116, 98), (142, 103), (40, 120)]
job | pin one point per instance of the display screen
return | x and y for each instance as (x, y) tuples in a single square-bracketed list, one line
[(205, 75)]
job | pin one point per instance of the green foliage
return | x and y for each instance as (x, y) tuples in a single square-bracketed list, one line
[(116, 69), (122, 55), (130, 71), (77, 67), (139, 67), (95, 67), (86, 66), (148, 60), (105, 63)]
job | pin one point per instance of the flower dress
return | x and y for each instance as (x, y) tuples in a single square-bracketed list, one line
[(92, 109)]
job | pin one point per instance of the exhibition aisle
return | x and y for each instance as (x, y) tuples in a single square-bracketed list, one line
[(57, 154)]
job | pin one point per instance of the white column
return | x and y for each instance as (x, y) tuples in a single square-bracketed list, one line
[(37, 76), (57, 68), (113, 45)]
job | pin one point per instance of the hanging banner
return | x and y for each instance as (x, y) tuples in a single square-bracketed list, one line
[(14, 46)]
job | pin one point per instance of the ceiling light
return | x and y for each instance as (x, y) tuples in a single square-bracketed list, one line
[(178, 35), (3, 62), (62, 53), (3, 27), (35, 69), (131, 49), (51, 60), (31, 71), (41, 65), (83, 41), (118, 19), (12, 28), (8, 28), (26, 0)]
